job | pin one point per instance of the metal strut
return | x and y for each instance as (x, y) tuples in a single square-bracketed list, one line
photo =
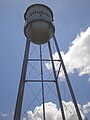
[(68, 81), (42, 83), (19, 101), (56, 81)]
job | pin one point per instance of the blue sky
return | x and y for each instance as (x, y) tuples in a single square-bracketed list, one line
[(71, 17)]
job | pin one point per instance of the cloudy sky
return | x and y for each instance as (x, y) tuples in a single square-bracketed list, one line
[(72, 30)]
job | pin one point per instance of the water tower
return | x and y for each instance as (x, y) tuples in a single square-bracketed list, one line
[(39, 29)]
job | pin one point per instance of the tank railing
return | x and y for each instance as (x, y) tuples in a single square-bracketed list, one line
[(38, 19)]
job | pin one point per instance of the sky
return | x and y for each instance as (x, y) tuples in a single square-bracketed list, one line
[(72, 31)]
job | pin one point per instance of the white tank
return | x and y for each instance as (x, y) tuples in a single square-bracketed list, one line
[(39, 26)]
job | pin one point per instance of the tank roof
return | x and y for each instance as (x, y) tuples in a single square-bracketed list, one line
[(37, 5)]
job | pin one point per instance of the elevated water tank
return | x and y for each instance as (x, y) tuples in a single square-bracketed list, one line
[(39, 26)]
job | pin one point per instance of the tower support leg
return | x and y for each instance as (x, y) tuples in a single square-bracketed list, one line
[(42, 83), (19, 101), (68, 81), (56, 81)]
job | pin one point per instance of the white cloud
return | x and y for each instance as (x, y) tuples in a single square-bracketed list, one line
[(53, 113), (78, 55), (3, 114), (86, 108)]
